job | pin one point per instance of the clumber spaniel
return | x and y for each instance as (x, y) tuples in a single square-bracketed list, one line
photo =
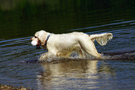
[(62, 45)]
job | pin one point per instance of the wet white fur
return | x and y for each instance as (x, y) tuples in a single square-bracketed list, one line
[(62, 45)]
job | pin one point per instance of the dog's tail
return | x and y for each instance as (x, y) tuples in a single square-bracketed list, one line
[(102, 39)]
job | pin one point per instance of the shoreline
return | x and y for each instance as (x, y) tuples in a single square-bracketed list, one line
[(10, 87)]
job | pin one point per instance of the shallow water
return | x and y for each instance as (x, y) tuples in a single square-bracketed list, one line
[(21, 19)]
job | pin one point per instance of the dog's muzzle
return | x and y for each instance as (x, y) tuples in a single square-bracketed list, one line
[(38, 46), (36, 42)]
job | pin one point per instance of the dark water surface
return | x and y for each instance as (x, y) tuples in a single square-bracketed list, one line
[(20, 19)]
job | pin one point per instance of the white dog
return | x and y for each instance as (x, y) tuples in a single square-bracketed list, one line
[(62, 45)]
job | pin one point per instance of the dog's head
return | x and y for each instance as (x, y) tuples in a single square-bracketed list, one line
[(39, 38), (36, 42)]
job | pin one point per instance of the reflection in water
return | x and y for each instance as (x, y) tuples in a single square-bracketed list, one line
[(19, 19), (106, 71), (73, 73)]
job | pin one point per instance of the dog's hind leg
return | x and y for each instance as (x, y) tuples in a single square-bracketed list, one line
[(89, 47)]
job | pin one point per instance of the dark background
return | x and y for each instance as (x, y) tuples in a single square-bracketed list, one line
[(22, 18)]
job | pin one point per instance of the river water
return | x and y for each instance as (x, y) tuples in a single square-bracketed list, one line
[(19, 20)]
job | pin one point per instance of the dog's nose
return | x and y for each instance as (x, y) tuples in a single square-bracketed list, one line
[(31, 39)]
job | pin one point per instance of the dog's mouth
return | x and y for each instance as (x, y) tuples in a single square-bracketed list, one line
[(38, 46), (36, 42)]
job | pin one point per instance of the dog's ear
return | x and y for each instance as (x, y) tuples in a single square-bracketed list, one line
[(38, 45), (41, 36)]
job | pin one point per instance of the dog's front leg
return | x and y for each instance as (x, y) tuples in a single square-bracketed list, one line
[(46, 56)]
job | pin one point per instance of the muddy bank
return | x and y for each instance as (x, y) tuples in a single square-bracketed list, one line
[(10, 87)]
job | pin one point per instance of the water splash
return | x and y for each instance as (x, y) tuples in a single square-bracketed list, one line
[(119, 55)]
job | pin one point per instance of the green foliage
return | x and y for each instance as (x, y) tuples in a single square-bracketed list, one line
[(20, 18)]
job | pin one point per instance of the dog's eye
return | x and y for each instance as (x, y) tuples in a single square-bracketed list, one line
[(35, 36)]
